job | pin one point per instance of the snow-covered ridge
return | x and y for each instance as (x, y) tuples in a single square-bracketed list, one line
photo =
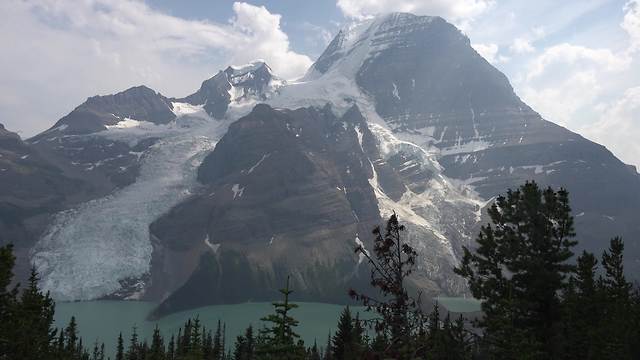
[(245, 68)]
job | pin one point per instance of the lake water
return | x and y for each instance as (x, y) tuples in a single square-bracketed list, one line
[(103, 320)]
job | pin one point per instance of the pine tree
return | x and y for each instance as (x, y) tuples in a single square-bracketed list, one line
[(120, 348), (98, 351), (196, 340), (346, 344), (218, 349), (519, 268), (33, 331), (394, 262), (582, 310), (133, 353), (328, 354), (616, 332), (156, 352), (313, 353), (72, 346), (245, 345), (7, 300), (280, 339), (171, 349)]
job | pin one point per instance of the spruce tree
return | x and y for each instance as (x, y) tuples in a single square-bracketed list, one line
[(7, 300), (582, 310), (171, 349), (280, 338), (133, 352), (346, 344), (72, 346), (218, 349), (519, 268), (393, 263), (313, 353), (245, 345), (33, 331), (617, 330), (120, 348), (328, 354), (156, 352)]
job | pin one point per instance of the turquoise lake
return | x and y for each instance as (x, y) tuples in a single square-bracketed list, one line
[(103, 320)]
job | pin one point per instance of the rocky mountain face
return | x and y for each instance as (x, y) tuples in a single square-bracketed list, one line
[(454, 100), (251, 178), (31, 189)]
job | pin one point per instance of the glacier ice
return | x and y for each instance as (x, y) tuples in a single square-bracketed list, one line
[(87, 250)]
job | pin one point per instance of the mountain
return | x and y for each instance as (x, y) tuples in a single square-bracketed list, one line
[(217, 196)]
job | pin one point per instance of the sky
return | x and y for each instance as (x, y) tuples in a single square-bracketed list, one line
[(576, 62)]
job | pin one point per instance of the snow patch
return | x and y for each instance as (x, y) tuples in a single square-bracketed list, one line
[(395, 91), (237, 190), (250, 170), (360, 244), (213, 247)]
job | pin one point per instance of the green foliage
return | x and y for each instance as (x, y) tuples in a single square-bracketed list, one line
[(348, 341), (245, 346), (393, 263), (519, 268), (279, 341)]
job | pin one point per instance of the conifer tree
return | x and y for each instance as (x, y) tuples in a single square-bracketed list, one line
[(245, 345), (71, 334), (218, 349), (519, 268), (582, 310), (33, 332), (171, 349), (394, 262), (98, 351), (616, 331), (156, 352), (120, 348), (280, 339), (328, 354), (346, 343), (133, 351), (7, 299), (313, 353)]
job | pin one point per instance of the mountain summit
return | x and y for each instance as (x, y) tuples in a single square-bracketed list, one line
[(252, 179)]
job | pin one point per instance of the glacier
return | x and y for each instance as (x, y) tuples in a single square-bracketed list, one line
[(88, 250)]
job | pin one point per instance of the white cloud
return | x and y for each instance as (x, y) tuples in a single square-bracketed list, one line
[(461, 12), (57, 53), (631, 23), (263, 38), (490, 53), (578, 57), (521, 46), (560, 101), (573, 86), (619, 127), (566, 78)]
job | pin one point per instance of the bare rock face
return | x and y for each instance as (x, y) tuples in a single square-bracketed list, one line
[(285, 192)]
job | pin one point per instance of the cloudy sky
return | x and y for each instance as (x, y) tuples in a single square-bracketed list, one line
[(577, 62)]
